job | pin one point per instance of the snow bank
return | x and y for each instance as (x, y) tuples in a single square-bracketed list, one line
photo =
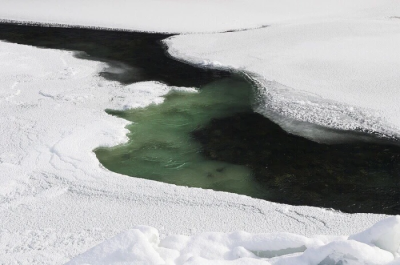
[(385, 235), (183, 16), (338, 73), (57, 201), (142, 245)]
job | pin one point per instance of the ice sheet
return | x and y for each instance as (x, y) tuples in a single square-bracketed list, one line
[(184, 16), (338, 73)]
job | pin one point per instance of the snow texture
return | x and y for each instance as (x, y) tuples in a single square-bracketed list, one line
[(379, 244), (337, 72), (329, 62), (183, 15), (57, 201)]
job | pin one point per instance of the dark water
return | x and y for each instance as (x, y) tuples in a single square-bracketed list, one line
[(353, 177), (212, 139), (140, 55)]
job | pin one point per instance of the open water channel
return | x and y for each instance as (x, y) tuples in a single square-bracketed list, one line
[(213, 139)]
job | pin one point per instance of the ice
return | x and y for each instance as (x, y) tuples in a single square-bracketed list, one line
[(142, 245), (384, 234), (328, 62), (184, 16), (136, 245), (339, 73), (57, 201)]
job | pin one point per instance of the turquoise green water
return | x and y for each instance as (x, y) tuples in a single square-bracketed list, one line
[(161, 147)]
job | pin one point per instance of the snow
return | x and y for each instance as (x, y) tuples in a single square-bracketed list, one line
[(385, 235), (339, 73), (331, 63), (379, 244), (57, 201), (184, 16)]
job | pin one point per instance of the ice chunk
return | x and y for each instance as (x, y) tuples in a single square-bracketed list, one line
[(138, 245), (141, 245), (384, 234)]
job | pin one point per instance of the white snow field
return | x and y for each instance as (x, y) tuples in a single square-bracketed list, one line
[(57, 201), (183, 15), (329, 62), (338, 73), (379, 244)]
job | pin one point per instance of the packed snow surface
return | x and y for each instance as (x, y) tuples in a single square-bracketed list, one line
[(183, 15), (57, 201), (379, 244), (339, 73)]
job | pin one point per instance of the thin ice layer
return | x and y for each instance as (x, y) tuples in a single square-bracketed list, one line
[(183, 15), (339, 73), (57, 201)]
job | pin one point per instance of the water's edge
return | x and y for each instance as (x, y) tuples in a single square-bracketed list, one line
[(239, 150)]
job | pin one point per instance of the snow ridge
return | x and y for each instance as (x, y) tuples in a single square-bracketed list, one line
[(379, 244)]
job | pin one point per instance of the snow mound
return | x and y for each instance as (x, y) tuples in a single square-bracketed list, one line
[(384, 234), (337, 73), (142, 245), (183, 16)]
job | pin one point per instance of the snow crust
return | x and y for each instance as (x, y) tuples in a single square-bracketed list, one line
[(339, 73), (379, 244), (184, 16), (57, 201)]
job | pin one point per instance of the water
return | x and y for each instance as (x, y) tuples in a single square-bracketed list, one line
[(162, 148), (213, 139), (133, 56), (356, 176)]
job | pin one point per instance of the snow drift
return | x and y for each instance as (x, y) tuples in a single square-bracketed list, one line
[(379, 244)]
